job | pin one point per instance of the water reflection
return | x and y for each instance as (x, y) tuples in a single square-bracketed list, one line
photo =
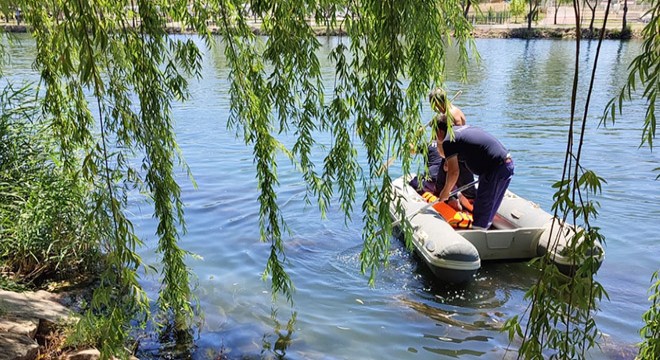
[(494, 285), (170, 343), (282, 335), (167, 342), (524, 74), (466, 320), (470, 316)]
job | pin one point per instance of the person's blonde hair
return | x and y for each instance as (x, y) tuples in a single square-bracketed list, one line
[(438, 97)]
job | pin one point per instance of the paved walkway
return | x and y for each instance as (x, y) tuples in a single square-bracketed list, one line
[(566, 16)]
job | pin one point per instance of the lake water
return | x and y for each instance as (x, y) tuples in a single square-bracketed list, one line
[(521, 93)]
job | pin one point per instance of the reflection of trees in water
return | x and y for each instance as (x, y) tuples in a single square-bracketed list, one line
[(540, 79), (219, 59), (460, 330), (454, 318), (619, 65), (282, 335), (226, 344), (469, 316), (166, 343), (474, 312), (524, 79), (555, 78), (476, 71)]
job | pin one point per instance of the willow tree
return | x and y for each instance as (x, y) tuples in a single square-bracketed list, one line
[(560, 317), (386, 42), (109, 77), (109, 74), (118, 54), (645, 74)]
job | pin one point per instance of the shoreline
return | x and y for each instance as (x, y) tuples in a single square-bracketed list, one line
[(506, 31)]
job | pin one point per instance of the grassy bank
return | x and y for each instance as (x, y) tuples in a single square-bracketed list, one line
[(43, 210)]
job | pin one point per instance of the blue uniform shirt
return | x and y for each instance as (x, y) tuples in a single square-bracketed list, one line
[(480, 151)]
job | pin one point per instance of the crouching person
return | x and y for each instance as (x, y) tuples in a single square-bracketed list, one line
[(485, 156)]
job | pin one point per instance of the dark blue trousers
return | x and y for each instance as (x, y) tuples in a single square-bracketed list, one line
[(492, 186)]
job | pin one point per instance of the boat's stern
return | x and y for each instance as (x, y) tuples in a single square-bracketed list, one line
[(450, 257)]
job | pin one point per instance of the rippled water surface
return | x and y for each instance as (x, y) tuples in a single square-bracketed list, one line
[(521, 93)]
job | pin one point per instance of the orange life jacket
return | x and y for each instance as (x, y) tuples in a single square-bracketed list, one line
[(457, 219)]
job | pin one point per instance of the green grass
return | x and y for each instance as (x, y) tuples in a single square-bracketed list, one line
[(10, 285), (43, 209)]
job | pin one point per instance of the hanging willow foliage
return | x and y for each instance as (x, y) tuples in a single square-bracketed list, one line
[(645, 73), (650, 346), (560, 318), (118, 53), (386, 42)]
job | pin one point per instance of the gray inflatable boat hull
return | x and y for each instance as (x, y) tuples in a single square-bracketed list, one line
[(521, 230)]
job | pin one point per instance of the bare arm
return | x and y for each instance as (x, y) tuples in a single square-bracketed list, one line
[(452, 177), (457, 115)]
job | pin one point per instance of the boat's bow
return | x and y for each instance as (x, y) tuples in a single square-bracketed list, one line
[(565, 245), (568, 248)]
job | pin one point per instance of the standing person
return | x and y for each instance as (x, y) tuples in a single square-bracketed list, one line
[(486, 157), (18, 15)]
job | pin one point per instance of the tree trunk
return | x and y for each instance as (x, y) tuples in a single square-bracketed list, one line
[(530, 15), (625, 13), (556, 10), (593, 14)]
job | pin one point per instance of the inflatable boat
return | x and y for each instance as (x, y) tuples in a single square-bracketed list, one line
[(442, 236)]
